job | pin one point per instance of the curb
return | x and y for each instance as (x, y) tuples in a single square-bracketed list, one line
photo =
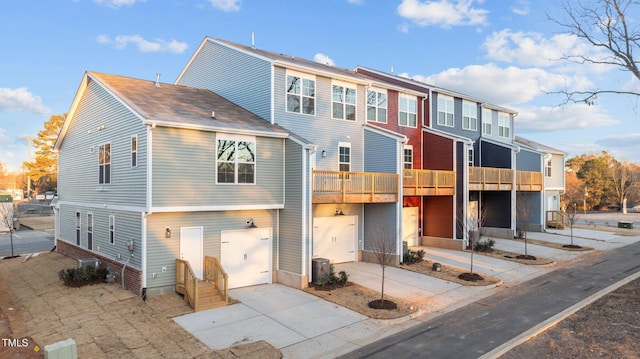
[(504, 348)]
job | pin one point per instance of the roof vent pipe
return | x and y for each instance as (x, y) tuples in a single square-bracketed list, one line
[(253, 40), (157, 80), (213, 114)]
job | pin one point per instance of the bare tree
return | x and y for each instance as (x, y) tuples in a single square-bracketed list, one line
[(471, 225), (624, 179), (604, 25), (525, 210), (7, 219), (383, 246), (572, 215)]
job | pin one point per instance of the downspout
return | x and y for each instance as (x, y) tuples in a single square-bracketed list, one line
[(307, 205), (143, 240)]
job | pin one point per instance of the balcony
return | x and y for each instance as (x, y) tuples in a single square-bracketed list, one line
[(528, 181), (490, 179), (354, 187), (428, 183)]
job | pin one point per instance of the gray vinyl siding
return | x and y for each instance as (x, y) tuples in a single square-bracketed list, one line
[(291, 217), (78, 156), (556, 180), (184, 171), (380, 221), (321, 128), (381, 153), (128, 227), (457, 119), (240, 78), (162, 252), (528, 161)]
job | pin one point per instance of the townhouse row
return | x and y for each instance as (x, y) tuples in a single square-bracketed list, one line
[(267, 161)]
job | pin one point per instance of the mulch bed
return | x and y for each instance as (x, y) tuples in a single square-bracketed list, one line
[(450, 273)]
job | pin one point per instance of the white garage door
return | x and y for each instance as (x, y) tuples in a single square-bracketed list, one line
[(335, 238), (246, 256)]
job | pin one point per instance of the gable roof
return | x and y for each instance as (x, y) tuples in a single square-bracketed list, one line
[(178, 106), (538, 146)]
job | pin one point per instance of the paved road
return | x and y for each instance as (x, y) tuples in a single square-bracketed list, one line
[(482, 326), (26, 241)]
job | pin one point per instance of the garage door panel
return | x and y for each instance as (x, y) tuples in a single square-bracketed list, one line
[(246, 256)]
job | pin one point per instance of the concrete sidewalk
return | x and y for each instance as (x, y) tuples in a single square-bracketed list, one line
[(302, 325)]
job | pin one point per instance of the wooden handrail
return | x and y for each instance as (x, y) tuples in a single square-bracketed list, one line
[(422, 178), (355, 183), (187, 281), (215, 273)]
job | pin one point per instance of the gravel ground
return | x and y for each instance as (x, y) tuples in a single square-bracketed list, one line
[(607, 328), (104, 320)]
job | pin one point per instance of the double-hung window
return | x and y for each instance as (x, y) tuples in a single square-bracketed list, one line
[(376, 106), (344, 102), (344, 160), (408, 111), (236, 159), (445, 110), (112, 229), (470, 156), (301, 94), (134, 151), (487, 120), (504, 125), (547, 168), (408, 157), (104, 164), (90, 231), (469, 116), (78, 227)]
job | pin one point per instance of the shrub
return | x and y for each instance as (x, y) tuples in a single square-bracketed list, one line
[(331, 279), (484, 246), (77, 277), (413, 256)]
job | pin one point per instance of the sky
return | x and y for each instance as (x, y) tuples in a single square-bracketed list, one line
[(503, 51)]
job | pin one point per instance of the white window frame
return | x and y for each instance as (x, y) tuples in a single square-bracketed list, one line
[(236, 162), (301, 92), (104, 164), (470, 156), (379, 104), (446, 108), (504, 125), (134, 151), (78, 228), (469, 115), (487, 121), (407, 165), (547, 168), (112, 229), (348, 99), (90, 231), (405, 103), (342, 163)]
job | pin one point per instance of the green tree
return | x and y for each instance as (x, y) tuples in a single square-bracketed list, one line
[(43, 169), (596, 174)]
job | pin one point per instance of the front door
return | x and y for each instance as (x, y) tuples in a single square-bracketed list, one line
[(191, 248), (410, 226)]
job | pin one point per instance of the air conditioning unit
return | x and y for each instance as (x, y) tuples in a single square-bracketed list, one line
[(85, 262)]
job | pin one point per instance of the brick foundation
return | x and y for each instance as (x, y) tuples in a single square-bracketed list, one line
[(132, 276)]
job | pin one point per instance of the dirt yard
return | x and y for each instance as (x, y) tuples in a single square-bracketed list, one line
[(104, 320)]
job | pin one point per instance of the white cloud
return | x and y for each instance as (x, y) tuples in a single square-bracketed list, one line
[(20, 99), (158, 45), (508, 86), (323, 59), (404, 28), (621, 140), (115, 3), (570, 117), (226, 5), (521, 8), (444, 13), (534, 49), (356, 2)]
